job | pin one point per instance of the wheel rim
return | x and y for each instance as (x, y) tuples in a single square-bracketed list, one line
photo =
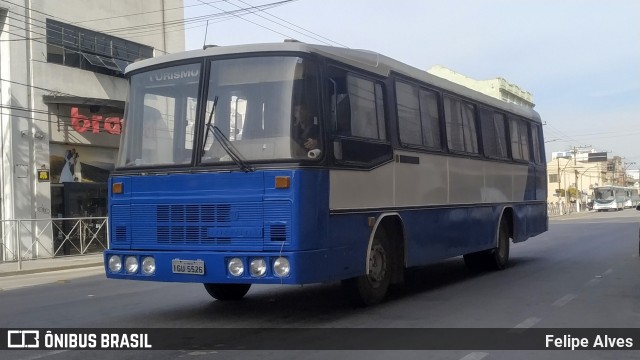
[(377, 265)]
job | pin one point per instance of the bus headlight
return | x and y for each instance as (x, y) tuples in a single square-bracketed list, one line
[(281, 267), (115, 263), (131, 264), (148, 265), (258, 267), (235, 267)]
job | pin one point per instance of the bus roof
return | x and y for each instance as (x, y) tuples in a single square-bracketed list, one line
[(367, 60)]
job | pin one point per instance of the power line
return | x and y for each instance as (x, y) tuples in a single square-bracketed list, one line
[(240, 17), (278, 23), (150, 27), (142, 13), (292, 24)]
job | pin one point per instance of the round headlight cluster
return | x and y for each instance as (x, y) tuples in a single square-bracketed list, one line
[(281, 267), (148, 265), (235, 267), (115, 263), (258, 267), (131, 264)]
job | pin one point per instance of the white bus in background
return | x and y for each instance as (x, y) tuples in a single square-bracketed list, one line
[(632, 199), (607, 198)]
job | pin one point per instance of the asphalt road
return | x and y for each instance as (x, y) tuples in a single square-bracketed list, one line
[(581, 273)]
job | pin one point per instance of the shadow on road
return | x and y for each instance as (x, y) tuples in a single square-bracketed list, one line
[(311, 305)]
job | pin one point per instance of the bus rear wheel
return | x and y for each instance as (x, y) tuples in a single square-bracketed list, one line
[(225, 292), (370, 289), (492, 259), (499, 257)]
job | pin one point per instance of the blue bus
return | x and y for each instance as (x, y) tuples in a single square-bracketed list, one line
[(293, 163)]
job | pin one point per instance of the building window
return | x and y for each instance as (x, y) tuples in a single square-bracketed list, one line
[(553, 178), (90, 50)]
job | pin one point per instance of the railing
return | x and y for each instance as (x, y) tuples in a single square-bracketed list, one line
[(29, 239), (560, 208)]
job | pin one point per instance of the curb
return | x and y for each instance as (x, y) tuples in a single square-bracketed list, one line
[(50, 269)]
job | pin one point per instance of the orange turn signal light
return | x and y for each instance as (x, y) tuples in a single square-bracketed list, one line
[(117, 188), (283, 182)]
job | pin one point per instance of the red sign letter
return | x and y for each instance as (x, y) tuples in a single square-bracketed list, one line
[(80, 123), (113, 125)]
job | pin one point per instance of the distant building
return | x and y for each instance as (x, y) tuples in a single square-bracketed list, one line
[(498, 88), (62, 96), (580, 170)]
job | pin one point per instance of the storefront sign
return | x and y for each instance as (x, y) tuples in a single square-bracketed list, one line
[(82, 123)]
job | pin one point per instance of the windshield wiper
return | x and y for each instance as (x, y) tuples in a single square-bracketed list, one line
[(234, 154), (206, 134), (231, 150)]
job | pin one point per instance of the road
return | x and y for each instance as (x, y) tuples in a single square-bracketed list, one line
[(582, 273)]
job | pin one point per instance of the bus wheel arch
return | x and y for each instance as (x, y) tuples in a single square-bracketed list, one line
[(384, 262), (227, 292), (499, 258), (496, 258)]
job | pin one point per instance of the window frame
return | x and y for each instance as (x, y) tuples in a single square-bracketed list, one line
[(421, 120), (474, 105), (71, 39), (491, 114), (337, 141)]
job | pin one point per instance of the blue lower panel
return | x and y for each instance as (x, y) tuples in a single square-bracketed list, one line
[(306, 266)]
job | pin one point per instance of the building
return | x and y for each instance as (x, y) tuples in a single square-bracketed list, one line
[(62, 95), (498, 88), (582, 171)]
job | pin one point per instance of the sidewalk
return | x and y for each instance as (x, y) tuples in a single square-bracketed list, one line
[(54, 264)]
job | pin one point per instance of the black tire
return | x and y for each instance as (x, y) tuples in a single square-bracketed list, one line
[(370, 289), (475, 261), (492, 259), (225, 292), (499, 257)]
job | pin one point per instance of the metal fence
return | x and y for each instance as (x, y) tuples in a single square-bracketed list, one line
[(29, 239), (561, 208)]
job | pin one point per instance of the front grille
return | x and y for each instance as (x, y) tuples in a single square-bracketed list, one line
[(224, 226)]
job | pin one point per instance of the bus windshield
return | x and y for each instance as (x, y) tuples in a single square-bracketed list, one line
[(265, 106), (160, 117), (603, 194)]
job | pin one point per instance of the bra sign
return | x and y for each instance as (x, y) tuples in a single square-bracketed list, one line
[(82, 123)]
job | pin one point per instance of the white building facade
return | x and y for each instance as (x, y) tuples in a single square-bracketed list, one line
[(62, 95)]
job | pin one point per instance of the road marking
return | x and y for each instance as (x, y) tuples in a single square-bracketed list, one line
[(475, 356), (593, 281), (40, 356), (608, 272), (564, 300), (527, 323)]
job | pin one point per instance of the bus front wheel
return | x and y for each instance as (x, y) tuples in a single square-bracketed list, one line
[(224, 292), (370, 289)]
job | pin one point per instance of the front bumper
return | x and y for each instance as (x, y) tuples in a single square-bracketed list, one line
[(306, 267)]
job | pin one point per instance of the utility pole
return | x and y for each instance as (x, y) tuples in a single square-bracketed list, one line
[(624, 175), (574, 151)]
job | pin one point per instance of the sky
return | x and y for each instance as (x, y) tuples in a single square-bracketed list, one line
[(579, 58)]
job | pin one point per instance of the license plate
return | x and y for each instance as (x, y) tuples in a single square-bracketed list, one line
[(195, 267)]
